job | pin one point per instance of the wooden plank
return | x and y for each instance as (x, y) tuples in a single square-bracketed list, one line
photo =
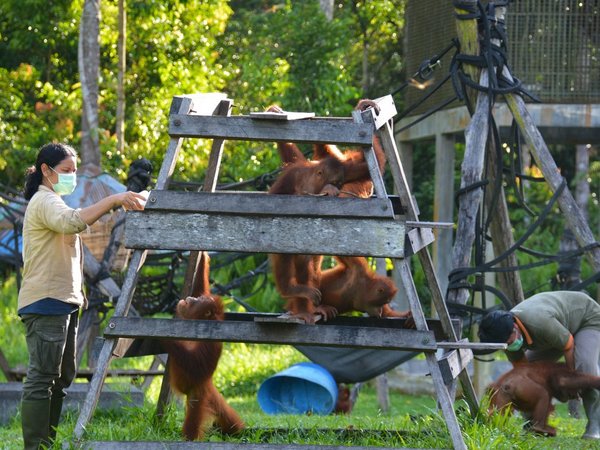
[(472, 345), (418, 238), (204, 104), (387, 111), (267, 234), (340, 131), (261, 203), (368, 116), (148, 346), (412, 224), (453, 363), (272, 333), (147, 445), (214, 160), (476, 136), (283, 115), (174, 147)]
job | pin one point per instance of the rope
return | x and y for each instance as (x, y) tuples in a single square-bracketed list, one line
[(492, 57), (463, 272)]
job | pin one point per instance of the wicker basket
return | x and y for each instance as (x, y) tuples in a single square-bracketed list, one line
[(97, 238)]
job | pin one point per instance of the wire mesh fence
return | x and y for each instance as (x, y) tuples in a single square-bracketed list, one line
[(553, 47)]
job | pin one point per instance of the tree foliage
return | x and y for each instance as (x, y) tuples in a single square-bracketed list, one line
[(258, 52)]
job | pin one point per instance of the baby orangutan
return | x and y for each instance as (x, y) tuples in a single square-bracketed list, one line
[(191, 364), (353, 286), (530, 387)]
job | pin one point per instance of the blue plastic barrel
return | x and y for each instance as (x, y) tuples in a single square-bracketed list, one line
[(300, 389)]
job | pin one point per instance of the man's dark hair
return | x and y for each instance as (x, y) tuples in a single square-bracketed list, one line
[(496, 326)]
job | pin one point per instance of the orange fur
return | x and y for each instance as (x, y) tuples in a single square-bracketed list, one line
[(191, 364), (530, 387)]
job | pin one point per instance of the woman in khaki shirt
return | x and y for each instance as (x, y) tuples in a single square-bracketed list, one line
[(50, 296)]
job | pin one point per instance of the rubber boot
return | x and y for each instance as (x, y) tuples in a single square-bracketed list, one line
[(56, 404), (35, 420), (591, 405)]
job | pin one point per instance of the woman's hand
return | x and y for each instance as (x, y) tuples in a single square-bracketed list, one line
[(133, 201)]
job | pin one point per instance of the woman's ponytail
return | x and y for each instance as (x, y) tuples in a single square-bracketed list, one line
[(33, 179)]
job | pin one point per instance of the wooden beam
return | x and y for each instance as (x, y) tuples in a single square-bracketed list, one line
[(272, 333), (453, 363), (469, 202), (418, 238), (544, 160), (146, 445), (468, 35), (261, 203), (471, 345), (265, 234), (340, 131), (204, 104)]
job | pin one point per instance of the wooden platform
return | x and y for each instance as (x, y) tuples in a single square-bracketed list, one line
[(264, 223)]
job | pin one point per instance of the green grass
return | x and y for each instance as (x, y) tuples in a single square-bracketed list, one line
[(412, 422)]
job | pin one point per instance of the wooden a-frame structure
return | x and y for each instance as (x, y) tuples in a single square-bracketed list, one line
[(383, 226)]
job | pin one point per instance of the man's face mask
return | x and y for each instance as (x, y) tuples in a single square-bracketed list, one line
[(516, 345), (66, 183)]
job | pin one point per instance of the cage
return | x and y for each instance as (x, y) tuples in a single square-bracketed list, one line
[(553, 47)]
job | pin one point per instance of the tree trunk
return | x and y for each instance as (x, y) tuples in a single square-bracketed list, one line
[(122, 45), (472, 166), (89, 63), (327, 8)]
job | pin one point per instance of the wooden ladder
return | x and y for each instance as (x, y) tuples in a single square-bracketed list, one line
[(255, 222)]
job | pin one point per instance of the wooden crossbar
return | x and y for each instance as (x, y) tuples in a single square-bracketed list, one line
[(265, 234), (261, 203), (334, 131), (272, 333)]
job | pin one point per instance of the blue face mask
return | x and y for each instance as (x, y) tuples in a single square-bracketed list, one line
[(516, 345), (66, 183)]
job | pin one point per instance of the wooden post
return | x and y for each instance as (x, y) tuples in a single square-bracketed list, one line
[(472, 169), (468, 35), (401, 186), (443, 205), (573, 216), (501, 231)]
